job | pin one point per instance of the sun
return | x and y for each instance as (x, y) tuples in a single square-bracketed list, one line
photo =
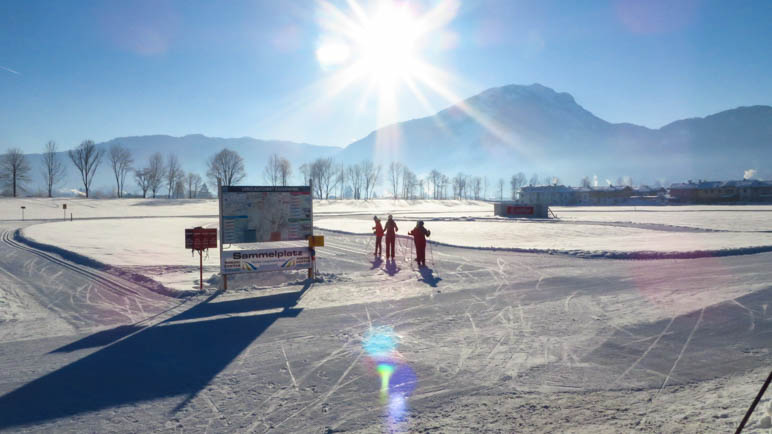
[(381, 44), (388, 45)]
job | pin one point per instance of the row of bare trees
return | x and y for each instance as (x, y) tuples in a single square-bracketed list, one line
[(165, 175), (225, 167)]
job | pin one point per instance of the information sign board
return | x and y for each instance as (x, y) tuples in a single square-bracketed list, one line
[(200, 238), (262, 214), (281, 258)]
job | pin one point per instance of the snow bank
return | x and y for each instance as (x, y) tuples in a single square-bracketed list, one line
[(575, 239), (728, 218), (51, 209)]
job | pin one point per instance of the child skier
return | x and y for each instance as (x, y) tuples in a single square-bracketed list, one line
[(378, 231), (419, 234), (391, 237)]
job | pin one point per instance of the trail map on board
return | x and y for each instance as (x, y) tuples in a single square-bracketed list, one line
[(261, 214)]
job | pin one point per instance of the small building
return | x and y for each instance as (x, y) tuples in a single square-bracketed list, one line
[(684, 192), (610, 195), (549, 195), (747, 190), (517, 209)]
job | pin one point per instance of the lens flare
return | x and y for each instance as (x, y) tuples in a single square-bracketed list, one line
[(385, 370), (380, 342), (397, 379)]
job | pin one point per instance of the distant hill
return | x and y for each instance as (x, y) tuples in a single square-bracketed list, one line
[(499, 132), (537, 130)]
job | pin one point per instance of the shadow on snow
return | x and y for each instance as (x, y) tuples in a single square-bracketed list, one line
[(179, 356)]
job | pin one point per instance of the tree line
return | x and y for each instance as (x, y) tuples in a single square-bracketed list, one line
[(163, 176), (159, 177)]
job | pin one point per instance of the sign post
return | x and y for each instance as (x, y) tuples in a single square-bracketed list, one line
[(265, 214), (200, 239), (22, 212)]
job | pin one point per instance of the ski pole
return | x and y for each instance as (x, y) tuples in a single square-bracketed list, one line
[(755, 403)]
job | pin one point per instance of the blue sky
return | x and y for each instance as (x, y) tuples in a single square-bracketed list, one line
[(103, 69)]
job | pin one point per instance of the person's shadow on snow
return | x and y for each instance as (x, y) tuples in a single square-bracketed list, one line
[(427, 276), (391, 267), (377, 262)]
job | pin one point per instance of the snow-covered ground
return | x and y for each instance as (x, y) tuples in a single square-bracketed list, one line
[(752, 218), (567, 236), (483, 340), (44, 208), (154, 245)]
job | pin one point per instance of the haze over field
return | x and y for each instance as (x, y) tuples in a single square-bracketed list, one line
[(537, 130), (649, 91)]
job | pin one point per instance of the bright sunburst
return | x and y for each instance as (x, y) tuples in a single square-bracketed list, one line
[(380, 45)]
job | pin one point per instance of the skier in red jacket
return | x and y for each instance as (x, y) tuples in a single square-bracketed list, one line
[(419, 234), (378, 231), (391, 237)]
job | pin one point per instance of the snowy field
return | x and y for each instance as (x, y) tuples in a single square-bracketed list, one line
[(482, 340), (153, 244), (739, 218)]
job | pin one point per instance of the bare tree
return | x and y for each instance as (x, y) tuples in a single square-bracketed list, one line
[(356, 179), (534, 180), (86, 159), (435, 180), (485, 187), (226, 166), (517, 181), (305, 170), (340, 180), (14, 170), (155, 172), (120, 161), (395, 173), (371, 175), (142, 177), (193, 182), (477, 187), (322, 177), (173, 174), (204, 192), (409, 182), (179, 188), (444, 183), (53, 169), (586, 182), (459, 185), (272, 171), (501, 188), (285, 171)]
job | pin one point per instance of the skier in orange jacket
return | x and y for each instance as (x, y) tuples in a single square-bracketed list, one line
[(378, 231), (419, 234), (391, 237)]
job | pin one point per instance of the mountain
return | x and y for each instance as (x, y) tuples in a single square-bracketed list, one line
[(497, 133), (192, 150), (535, 129)]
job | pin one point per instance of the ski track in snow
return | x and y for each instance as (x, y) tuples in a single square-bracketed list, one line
[(495, 323)]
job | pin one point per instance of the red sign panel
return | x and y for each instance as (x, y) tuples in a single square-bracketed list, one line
[(519, 210), (200, 238)]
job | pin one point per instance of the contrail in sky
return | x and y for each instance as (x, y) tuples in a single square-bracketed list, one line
[(10, 70)]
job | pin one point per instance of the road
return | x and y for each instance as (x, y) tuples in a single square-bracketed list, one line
[(498, 341)]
